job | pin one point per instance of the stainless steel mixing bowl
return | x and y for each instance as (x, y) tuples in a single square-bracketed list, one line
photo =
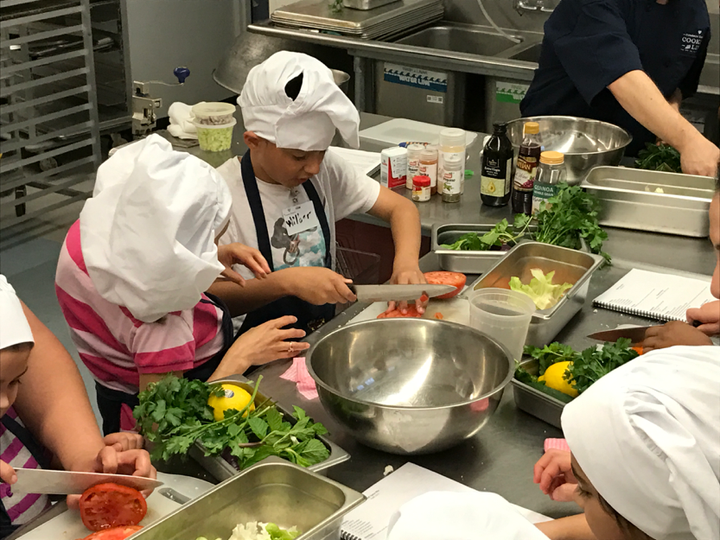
[(410, 386), (586, 143)]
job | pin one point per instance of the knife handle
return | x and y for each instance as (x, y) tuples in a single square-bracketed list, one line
[(696, 324)]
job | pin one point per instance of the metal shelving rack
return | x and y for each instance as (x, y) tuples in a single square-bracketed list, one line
[(49, 127)]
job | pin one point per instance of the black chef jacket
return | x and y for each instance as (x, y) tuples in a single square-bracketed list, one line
[(589, 44)]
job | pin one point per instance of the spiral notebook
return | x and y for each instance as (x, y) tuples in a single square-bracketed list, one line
[(370, 520), (654, 295)]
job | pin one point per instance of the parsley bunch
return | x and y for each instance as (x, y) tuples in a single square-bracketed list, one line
[(174, 414), (569, 216)]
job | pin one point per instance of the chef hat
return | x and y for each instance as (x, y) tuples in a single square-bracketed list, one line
[(439, 515), (148, 233), (307, 123), (647, 436), (14, 327)]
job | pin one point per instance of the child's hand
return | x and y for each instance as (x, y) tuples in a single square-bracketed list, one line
[(124, 440), (7, 473), (554, 473), (410, 275), (709, 317), (251, 258), (317, 285)]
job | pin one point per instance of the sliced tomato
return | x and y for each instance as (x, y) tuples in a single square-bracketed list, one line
[(638, 349), (111, 505), (439, 316), (412, 312), (456, 279), (116, 533)]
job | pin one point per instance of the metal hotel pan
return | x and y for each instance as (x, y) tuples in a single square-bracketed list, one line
[(570, 266), (222, 469), (467, 262), (631, 200), (272, 491), (533, 401)]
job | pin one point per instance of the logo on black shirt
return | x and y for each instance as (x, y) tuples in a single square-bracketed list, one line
[(691, 42)]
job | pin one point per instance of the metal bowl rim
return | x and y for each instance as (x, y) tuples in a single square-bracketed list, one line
[(499, 388), (575, 119)]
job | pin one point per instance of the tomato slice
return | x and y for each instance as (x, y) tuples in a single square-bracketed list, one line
[(456, 279), (116, 533), (111, 505), (412, 312)]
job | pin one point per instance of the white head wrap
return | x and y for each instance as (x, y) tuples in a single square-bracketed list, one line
[(308, 123), (148, 233), (647, 436), (14, 327), (440, 515)]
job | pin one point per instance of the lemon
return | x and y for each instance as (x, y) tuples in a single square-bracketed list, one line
[(553, 378), (235, 397)]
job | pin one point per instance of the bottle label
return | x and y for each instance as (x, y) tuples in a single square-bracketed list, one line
[(541, 193), (495, 178), (453, 182), (429, 170), (525, 173)]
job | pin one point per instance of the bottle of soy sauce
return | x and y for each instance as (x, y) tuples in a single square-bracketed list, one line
[(497, 168), (526, 169)]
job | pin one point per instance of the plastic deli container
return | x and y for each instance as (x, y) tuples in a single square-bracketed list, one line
[(215, 138), (213, 113)]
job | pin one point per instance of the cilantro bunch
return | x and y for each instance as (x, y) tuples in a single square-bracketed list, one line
[(174, 414), (500, 235), (568, 217), (659, 157), (586, 367)]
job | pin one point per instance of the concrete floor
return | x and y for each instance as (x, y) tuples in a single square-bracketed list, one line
[(28, 258)]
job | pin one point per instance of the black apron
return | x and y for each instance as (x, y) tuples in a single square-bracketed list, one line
[(110, 401), (309, 316), (36, 450)]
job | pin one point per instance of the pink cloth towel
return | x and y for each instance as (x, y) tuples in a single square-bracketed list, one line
[(556, 444), (298, 373)]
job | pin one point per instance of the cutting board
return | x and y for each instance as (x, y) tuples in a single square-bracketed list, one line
[(452, 310), (69, 526)]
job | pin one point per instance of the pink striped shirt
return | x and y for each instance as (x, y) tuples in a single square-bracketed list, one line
[(114, 345), (21, 508)]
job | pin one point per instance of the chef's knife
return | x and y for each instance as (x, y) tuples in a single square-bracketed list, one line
[(388, 293), (635, 333), (73, 483)]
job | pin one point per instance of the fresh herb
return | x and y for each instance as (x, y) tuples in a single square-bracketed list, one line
[(595, 363), (500, 235), (336, 6), (541, 289), (568, 217), (585, 367), (659, 157), (174, 414)]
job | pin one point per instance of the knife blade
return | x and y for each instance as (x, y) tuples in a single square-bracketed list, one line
[(389, 293), (50, 482), (635, 333)]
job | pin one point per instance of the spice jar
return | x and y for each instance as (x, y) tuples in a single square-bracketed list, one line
[(421, 189), (429, 166)]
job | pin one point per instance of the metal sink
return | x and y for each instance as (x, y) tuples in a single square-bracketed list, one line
[(460, 39), (530, 53)]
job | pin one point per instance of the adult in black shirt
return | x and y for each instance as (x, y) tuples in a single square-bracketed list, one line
[(630, 63)]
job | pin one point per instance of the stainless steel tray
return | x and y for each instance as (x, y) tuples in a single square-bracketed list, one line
[(467, 262), (630, 200), (273, 491), (534, 402), (570, 266), (222, 469), (366, 4)]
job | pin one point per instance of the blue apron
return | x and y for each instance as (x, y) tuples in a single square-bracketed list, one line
[(309, 316), (110, 401)]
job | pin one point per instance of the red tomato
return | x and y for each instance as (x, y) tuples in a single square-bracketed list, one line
[(439, 316), (111, 505), (116, 533), (396, 313), (456, 279)]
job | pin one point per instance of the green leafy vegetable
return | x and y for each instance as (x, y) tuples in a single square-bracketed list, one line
[(501, 234), (568, 217), (659, 157), (276, 533), (541, 289), (174, 414), (586, 367)]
